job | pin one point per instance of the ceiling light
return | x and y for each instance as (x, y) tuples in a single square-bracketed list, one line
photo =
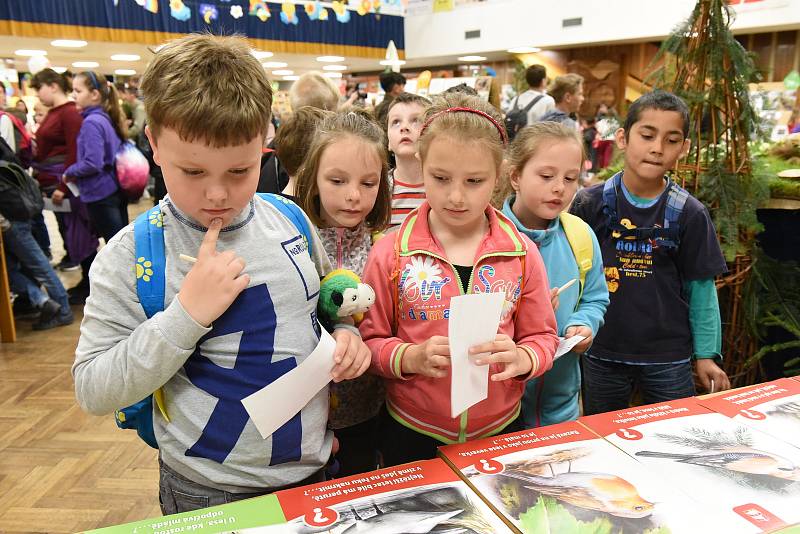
[(524, 50), (283, 72), (392, 62), (332, 74), (330, 59), (334, 67), (126, 57), (472, 58), (125, 72), (24, 52), (68, 43), (274, 65), (260, 54), (291, 78), (59, 70), (86, 64)]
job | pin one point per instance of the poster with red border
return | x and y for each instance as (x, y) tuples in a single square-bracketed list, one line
[(422, 496), (724, 466), (773, 407), (565, 478)]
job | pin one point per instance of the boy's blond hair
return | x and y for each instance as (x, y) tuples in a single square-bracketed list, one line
[(207, 88), (315, 90), (564, 85)]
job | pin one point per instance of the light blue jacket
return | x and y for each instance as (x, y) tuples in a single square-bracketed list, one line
[(553, 398)]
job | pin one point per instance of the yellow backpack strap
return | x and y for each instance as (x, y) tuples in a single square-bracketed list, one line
[(580, 241)]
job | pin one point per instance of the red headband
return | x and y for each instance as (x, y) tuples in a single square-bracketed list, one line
[(500, 129)]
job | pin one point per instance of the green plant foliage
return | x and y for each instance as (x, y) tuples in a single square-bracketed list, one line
[(734, 198), (550, 516), (772, 298), (711, 71)]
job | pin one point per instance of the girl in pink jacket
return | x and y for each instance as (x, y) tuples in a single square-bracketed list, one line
[(455, 243)]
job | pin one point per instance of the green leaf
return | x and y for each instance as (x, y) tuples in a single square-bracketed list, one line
[(550, 516)]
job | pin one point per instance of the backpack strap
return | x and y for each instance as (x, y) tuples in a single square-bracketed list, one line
[(151, 282), (666, 236), (148, 235), (676, 200), (19, 126), (532, 103), (580, 241), (150, 268), (291, 211)]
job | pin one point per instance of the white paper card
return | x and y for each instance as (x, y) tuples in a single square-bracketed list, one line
[(73, 188), (474, 320), (63, 207), (272, 406), (566, 344)]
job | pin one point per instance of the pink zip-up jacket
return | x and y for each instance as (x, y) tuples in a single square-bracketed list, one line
[(411, 266)]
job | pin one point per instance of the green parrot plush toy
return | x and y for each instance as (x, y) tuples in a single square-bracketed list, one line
[(342, 294)]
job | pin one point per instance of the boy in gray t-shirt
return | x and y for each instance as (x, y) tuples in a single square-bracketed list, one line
[(234, 321)]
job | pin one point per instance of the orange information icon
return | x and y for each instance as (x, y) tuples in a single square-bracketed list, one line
[(489, 466), (321, 517), (629, 433)]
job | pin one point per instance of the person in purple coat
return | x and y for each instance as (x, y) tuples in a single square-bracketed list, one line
[(94, 172)]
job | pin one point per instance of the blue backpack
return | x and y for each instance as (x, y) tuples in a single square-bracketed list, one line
[(148, 232), (668, 236)]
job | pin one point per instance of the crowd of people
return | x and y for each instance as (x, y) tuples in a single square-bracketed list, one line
[(425, 199)]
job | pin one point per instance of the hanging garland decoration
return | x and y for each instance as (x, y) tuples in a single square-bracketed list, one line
[(258, 8), (178, 10), (209, 12), (289, 13), (315, 9), (149, 5)]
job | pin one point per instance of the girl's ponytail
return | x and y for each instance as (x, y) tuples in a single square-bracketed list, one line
[(114, 110)]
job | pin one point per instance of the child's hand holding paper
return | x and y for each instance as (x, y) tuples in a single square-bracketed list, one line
[(503, 350), (580, 330)]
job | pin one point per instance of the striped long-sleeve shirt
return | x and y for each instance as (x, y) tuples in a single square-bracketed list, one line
[(405, 198)]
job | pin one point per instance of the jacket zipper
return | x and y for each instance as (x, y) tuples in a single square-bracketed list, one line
[(339, 247)]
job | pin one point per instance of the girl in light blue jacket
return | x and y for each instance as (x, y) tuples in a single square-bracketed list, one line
[(544, 164)]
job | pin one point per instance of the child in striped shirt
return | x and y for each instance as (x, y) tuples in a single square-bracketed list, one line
[(402, 128)]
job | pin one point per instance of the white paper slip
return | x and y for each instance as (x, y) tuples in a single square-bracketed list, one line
[(566, 344), (51, 206), (272, 406), (473, 320), (73, 188)]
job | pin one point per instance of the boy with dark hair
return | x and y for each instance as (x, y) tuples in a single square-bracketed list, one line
[(392, 83), (234, 320), (660, 254), (539, 101)]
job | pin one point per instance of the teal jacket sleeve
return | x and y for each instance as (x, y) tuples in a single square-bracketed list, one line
[(594, 301), (704, 319)]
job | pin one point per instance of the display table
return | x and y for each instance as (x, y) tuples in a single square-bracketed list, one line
[(728, 462)]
